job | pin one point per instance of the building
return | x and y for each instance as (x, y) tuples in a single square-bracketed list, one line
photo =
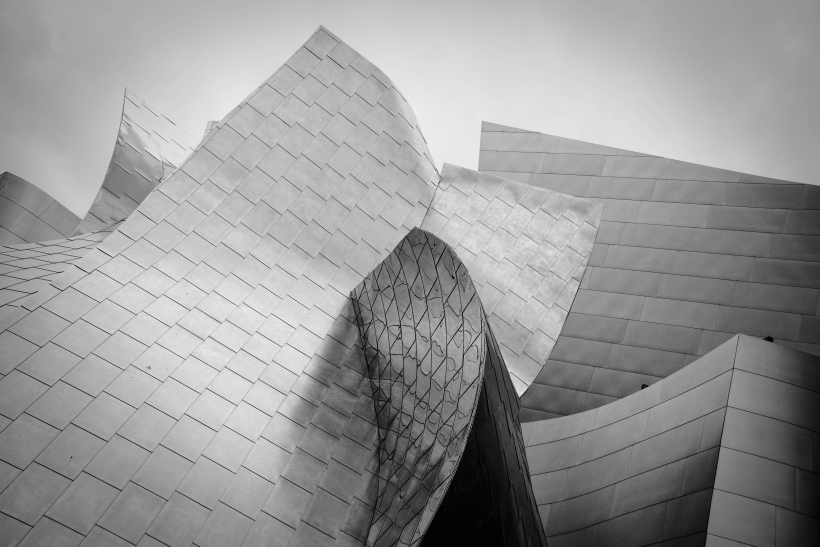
[(306, 335)]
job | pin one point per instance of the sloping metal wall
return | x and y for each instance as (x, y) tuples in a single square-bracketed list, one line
[(724, 450), (685, 257), (149, 147), (195, 377), (526, 249), (29, 215)]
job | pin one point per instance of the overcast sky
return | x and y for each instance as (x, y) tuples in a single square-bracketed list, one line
[(732, 84)]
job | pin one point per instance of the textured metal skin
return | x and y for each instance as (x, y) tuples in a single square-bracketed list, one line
[(149, 148), (685, 257), (199, 368), (526, 249), (490, 500), (200, 377), (29, 267), (29, 215), (423, 331), (722, 452)]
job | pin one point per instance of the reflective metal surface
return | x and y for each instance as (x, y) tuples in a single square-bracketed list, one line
[(423, 333), (685, 257), (149, 148), (27, 268), (526, 249), (719, 452), (29, 215), (204, 356), (490, 500), (200, 377)]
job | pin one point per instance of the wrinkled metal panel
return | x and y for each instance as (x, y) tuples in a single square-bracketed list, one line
[(423, 332), (526, 249), (200, 366), (490, 500)]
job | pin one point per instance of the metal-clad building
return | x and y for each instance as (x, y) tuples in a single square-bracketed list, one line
[(306, 335)]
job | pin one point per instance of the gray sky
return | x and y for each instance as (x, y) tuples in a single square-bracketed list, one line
[(732, 84)]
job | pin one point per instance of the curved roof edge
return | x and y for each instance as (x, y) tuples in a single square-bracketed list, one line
[(30, 215), (148, 149), (726, 447)]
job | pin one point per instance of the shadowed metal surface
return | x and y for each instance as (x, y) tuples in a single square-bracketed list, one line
[(199, 367), (685, 257), (490, 500), (423, 332), (526, 249), (148, 149), (29, 215), (722, 452)]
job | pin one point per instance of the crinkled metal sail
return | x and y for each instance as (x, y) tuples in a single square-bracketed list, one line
[(199, 367), (526, 249), (423, 331), (490, 500), (29, 215), (148, 149)]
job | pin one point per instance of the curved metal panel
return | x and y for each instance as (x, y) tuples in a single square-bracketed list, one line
[(490, 500), (28, 268), (29, 215), (148, 149), (526, 248), (722, 447), (423, 332), (204, 355), (686, 256)]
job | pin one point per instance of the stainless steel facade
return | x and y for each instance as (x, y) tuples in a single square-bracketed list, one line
[(686, 257), (423, 333), (148, 149), (30, 267), (723, 452), (526, 249), (29, 215), (491, 500), (201, 377)]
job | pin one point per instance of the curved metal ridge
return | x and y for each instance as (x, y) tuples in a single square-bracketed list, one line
[(149, 148), (423, 330), (490, 500), (254, 243), (30, 215)]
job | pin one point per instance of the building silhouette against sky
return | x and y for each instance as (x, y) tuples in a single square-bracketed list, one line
[(304, 334)]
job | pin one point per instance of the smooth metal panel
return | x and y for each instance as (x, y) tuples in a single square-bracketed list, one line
[(699, 464), (29, 215), (719, 238)]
